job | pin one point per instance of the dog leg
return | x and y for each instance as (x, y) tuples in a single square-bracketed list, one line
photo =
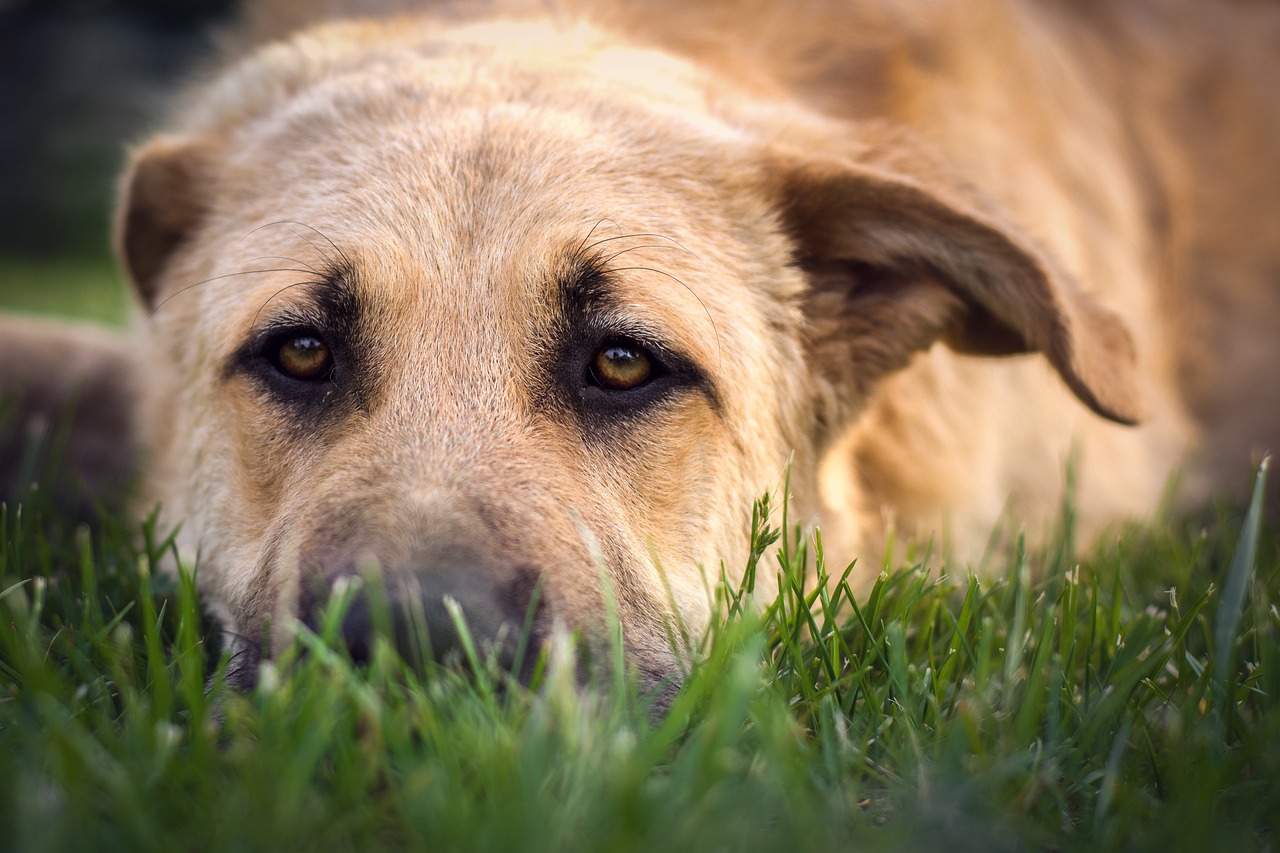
[(68, 425)]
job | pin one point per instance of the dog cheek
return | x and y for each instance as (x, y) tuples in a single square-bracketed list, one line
[(268, 454), (666, 483)]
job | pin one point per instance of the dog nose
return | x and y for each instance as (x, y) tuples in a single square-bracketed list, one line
[(424, 614), (357, 629)]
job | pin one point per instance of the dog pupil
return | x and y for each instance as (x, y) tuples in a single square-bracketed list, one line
[(621, 367), (304, 358)]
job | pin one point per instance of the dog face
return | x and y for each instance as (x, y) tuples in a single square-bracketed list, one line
[(526, 319)]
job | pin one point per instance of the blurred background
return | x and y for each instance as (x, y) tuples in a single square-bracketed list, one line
[(80, 81)]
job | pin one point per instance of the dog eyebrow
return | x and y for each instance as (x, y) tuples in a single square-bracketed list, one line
[(332, 296), (585, 289), (590, 302), (332, 307)]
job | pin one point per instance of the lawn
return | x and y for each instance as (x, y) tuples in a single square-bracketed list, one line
[(1123, 698), (79, 288)]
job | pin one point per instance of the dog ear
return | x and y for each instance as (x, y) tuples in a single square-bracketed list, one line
[(163, 196), (899, 262)]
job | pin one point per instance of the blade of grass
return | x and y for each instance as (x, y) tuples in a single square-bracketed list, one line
[(1231, 605)]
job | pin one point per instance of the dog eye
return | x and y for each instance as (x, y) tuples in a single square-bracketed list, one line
[(304, 357), (622, 365)]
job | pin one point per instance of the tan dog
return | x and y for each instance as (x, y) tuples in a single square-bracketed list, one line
[(504, 298)]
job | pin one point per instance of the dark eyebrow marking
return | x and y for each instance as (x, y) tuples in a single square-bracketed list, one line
[(589, 300), (333, 294), (332, 308), (585, 289), (338, 299), (593, 258)]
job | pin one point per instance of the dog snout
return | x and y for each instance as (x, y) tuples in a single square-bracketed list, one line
[(425, 612)]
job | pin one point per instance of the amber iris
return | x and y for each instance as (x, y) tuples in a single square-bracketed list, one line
[(621, 366), (305, 357)]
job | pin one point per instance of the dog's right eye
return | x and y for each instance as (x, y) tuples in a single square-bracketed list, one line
[(621, 366), (304, 357)]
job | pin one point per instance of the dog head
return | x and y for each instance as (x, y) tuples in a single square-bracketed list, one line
[(526, 317)]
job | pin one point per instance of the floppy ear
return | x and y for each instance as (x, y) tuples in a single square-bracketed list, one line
[(898, 263), (163, 196)]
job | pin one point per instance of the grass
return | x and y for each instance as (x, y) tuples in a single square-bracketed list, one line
[(1121, 699), (75, 288), (1116, 702)]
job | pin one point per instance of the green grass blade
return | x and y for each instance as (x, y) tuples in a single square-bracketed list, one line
[(1239, 574)]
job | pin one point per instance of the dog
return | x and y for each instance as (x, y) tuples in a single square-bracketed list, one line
[(522, 305)]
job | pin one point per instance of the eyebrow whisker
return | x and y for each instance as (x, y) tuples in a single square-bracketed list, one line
[(178, 293), (272, 297), (656, 236), (284, 258), (582, 247), (705, 310), (619, 254), (341, 254)]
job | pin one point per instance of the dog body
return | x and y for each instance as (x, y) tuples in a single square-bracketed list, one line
[(524, 306)]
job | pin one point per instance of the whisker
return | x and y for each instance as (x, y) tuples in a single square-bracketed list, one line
[(714, 328), (219, 277), (582, 247), (235, 635), (341, 254), (641, 234), (312, 243), (283, 258), (269, 299), (607, 260)]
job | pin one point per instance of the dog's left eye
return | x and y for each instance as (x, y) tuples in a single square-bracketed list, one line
[(304, 357), (622, 365)]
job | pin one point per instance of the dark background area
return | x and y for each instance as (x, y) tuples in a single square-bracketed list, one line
[(81, 80)]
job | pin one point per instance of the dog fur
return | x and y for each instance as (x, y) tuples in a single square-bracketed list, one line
[(68, 420), (926, 255)]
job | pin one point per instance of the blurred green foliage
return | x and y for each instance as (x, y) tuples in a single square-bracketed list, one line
[(74, 288), (80, 81)]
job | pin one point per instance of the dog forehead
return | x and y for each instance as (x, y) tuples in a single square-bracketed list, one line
[(480, 212), (494, 113), (404, 148), (466, 153), (486, 218)]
